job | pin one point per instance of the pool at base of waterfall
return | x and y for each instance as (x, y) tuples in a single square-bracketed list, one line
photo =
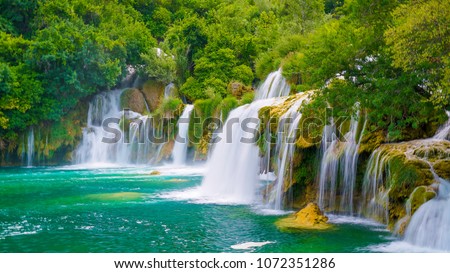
[(70, 209)]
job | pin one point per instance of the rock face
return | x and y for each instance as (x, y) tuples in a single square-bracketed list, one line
[(134, 100), (153, 92), (310, 217), (238, 89)]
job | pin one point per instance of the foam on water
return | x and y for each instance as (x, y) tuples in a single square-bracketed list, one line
[(250, 245)]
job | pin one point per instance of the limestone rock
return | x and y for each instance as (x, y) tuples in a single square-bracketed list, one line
[(134, 100), (237, 89), (310, 217), (153, 92)]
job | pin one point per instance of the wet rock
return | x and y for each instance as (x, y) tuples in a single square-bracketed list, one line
[(310, 217)]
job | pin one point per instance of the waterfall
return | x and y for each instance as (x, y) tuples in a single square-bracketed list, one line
[(430, 225), (233, 170), (30, 147), (375, 199), (133, 146), (338, 166), (444, 131), (274, 86), (181, 142), (285, 148), (168, 90), (232, 173)]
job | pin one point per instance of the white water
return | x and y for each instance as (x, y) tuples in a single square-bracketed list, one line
[(274, 86), (430, 224), (375, 200), (30, 147), (179, 152), (285, 148), (250, 245), (132, 148), (168, 90), (444, 131), (233, 170), (337, 175)]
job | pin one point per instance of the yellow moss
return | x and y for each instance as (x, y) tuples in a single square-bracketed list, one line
[(419, 196), (442, 168), (310, 217)]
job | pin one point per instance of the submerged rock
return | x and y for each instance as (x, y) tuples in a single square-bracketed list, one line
[(310, 217), (115, 196)]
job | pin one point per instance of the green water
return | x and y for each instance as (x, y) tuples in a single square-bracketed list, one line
[(122, 210)]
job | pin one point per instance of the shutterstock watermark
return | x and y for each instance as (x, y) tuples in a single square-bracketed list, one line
[(249, 130)]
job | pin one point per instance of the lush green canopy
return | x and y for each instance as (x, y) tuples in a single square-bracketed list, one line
[(391, 56)]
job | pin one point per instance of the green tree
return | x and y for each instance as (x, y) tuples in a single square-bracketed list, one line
[(419, 41)]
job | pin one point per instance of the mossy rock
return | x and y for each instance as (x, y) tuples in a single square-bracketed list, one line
[(371, 141), (311, 129), (238, 89), (134, 100), (153, 93), (155, 172), (442, 168), (310, 217), (419, 196)]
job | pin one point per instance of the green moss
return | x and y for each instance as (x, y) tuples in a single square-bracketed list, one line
[(247, 98), (202, 124), (227, 105), (170, 104), (370, 141), (419, 196)]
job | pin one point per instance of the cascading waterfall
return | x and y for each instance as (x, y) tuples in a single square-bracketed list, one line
[(168, 90), (375, 199), (430, 225), (133, 147), (285, 148), (30, 147), (179, 152), (232, 173), (274, 86), (444, 131), (338, 167)]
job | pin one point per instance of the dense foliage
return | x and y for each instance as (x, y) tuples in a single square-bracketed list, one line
[(391, 56)]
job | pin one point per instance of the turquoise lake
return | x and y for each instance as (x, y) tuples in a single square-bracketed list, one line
[(127, 210)]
